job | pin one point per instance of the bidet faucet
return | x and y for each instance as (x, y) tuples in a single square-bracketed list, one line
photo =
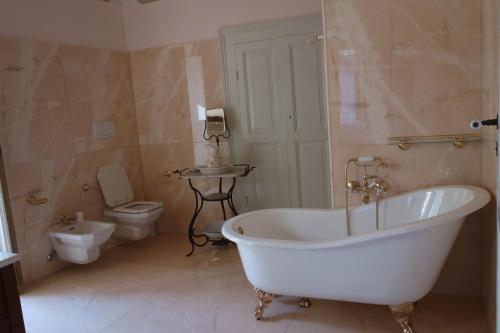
[(66, 219)]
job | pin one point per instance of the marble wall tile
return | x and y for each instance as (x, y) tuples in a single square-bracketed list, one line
[(35, 123), (99, 88), (161, 95), (55, 180), (393, 71), (208, 52)]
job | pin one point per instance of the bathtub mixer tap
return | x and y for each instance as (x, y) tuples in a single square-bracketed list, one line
[(371, 184)]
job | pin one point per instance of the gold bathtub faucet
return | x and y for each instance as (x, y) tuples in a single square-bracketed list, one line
[(371, 184)]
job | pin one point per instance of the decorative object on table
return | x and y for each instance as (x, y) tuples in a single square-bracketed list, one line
[(215, 128), (211, 231), (214, 157)]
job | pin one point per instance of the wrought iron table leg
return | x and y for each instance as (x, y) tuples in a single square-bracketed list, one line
[(222, 201), (198, 207), (199, 200), (223, 209), (231, 205), (230, 201)]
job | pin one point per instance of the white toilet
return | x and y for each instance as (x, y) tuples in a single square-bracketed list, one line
[(133, 219)]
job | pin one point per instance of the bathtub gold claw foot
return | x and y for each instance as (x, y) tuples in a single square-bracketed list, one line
[(265, 300), (402, 313), (305, 302)]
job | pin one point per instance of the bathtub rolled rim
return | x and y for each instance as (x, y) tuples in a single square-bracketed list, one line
[(481, 198)]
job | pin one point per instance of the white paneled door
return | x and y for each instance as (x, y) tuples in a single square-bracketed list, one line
[(275, 80)]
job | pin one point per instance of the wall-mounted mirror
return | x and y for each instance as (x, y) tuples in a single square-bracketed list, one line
[(216, 122), (215, 125)]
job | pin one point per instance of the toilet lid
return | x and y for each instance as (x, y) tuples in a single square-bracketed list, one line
[(114, 184)]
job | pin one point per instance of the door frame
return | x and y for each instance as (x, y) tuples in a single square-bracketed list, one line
[(497, 192), (6, 242), (229, 37)]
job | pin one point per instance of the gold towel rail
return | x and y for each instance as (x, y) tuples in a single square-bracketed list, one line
[(458, 140)]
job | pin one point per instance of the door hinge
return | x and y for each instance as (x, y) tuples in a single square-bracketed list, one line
[(237, 76)]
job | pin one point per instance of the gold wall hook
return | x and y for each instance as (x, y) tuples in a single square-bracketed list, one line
[(87, 187), (34, 201)]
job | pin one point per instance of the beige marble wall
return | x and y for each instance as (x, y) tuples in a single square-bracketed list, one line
[(49, 96), (401, 68), (488, 158), (170, 83)]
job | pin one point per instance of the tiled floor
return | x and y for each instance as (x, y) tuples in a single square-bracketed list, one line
[(149, 286)]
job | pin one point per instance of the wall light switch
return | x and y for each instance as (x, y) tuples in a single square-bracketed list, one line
[(103, 130)]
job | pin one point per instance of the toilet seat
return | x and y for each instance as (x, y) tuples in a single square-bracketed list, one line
[(138, 207)]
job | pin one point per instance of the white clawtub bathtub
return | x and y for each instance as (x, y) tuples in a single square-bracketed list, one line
[(307, 252)]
